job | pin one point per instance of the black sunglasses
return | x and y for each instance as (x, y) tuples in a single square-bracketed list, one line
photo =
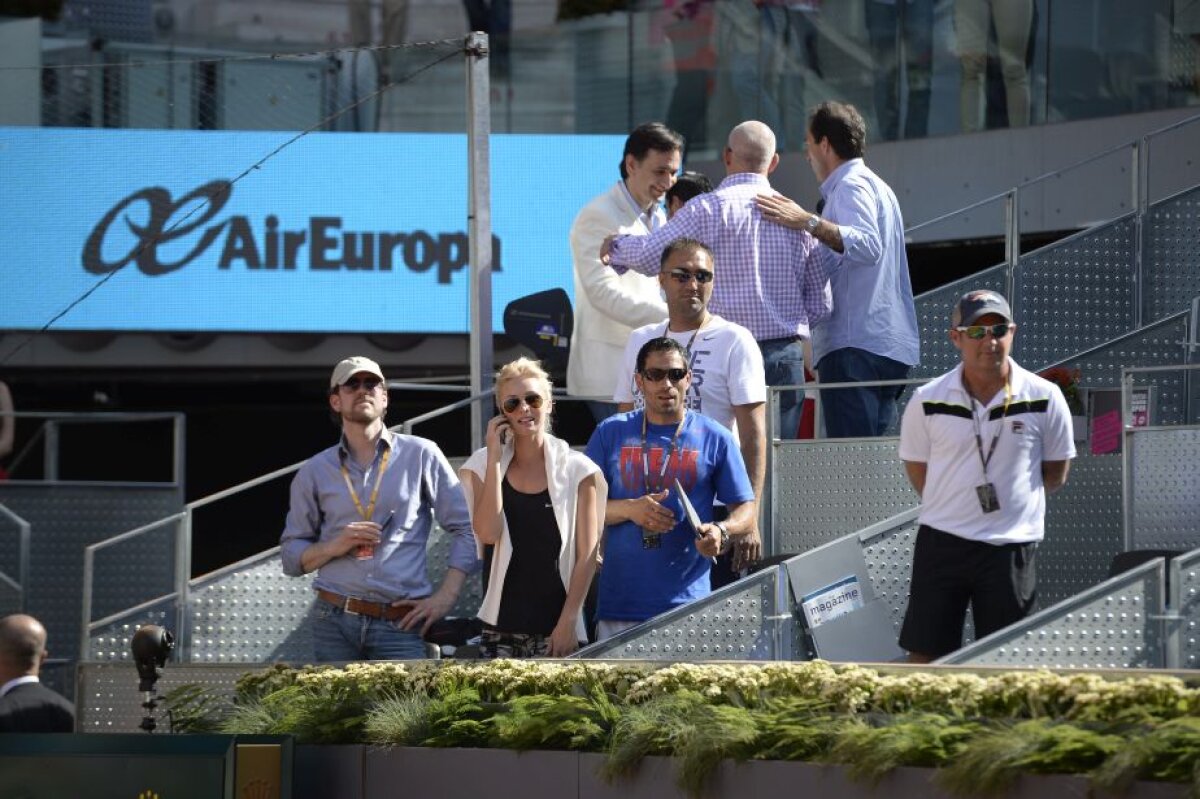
[(656, 375), (532, 400), (977, 332), (369, 383), (701, 276)]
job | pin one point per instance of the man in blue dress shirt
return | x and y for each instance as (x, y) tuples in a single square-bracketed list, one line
[(872, 332), (360, 516)]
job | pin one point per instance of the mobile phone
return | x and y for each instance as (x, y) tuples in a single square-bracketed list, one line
[(504, 433)]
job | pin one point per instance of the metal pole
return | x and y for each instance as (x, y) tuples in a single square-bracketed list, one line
[(1189, 356), (89, 565), (50, 450), (479, 218), (1127, 476), (1012, 243), (183, 573), (1172, 618), (23, 536), (179, 431), (1141, 191), (785, 626), (766, 513)]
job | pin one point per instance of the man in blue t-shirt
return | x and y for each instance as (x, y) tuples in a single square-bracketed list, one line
[(653, 560)]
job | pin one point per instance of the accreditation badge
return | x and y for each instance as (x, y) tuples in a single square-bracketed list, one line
[(988, 501)]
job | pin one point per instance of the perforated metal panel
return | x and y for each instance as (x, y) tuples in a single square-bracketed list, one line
[(1109, 626), (889, 562), (1165, 491), (1172, 233), (438, 561), (1075, 294), (938, 355), (1159, 344), (250, 614), (134, 571), (734, 623), (124, 20), (110, 642), (1084, 528), (10, 562), (66, 517), (1185, 600), (108, 700), (824, 489)]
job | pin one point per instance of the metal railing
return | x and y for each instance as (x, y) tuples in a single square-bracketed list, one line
[(18, 584), (1139, 166), (1175, 491), (183, 535), (1136, 169), (49, 434)]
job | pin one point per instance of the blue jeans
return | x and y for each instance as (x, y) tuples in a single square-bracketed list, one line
[(888, 25), (783, 360), (339, 636), (859, 412)]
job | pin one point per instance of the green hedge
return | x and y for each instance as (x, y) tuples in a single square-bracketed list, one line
[(980, 732)]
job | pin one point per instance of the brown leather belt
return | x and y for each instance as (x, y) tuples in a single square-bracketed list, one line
[(361, 607)]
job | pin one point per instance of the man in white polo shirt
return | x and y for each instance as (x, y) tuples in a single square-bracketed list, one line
[(982, 445)]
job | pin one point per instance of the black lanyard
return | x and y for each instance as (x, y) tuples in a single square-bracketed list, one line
[(667, 334), (999, 428), (666, 455)]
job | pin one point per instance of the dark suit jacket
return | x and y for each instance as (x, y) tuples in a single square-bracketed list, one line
[(33, 707)]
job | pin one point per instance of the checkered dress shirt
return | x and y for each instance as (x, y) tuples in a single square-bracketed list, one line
[(768, 278)]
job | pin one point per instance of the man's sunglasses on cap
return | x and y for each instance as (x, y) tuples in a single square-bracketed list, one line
[(657, 375), (369, 383), (999, 330), (701, 276), (532, 400)]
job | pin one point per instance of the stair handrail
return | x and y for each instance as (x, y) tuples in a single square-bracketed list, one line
[(24, 529), (1137, 143)]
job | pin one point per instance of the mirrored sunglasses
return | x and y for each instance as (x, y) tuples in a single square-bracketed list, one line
[(979, 331)]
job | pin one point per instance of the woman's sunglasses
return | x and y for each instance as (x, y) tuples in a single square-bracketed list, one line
[(532, 400)]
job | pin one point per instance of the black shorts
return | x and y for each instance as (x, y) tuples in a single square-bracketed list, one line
[(948, 572)]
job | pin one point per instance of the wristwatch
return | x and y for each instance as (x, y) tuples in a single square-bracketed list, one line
[(724, 536), (813, 223)]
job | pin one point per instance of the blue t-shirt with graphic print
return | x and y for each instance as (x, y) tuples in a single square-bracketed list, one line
[(638, 583)]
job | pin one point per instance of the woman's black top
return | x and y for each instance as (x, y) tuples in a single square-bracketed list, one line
[(533, 594)]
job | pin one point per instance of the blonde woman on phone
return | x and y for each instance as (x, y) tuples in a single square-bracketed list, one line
[(541, 504)]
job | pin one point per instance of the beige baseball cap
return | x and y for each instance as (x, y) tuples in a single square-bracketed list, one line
[(350, 367)]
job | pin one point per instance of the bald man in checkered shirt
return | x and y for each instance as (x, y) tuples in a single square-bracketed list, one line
[(770, 281)]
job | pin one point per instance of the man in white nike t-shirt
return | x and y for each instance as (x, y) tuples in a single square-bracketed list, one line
[(728, 381)]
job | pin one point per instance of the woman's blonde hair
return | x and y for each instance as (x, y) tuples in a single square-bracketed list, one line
[(524, 367)]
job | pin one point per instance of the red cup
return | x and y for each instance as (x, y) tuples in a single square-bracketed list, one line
[(364, 552)]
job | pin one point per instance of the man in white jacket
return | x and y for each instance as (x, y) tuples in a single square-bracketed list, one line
[(608, 306)]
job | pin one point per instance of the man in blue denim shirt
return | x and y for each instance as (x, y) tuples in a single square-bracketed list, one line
[(360, 515)]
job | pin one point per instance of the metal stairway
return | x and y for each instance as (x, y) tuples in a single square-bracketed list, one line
[(1113, 296)]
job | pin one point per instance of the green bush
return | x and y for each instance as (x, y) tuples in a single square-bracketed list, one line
[(980, 732)]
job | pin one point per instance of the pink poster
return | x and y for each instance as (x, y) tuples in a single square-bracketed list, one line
[(1106, 433)]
